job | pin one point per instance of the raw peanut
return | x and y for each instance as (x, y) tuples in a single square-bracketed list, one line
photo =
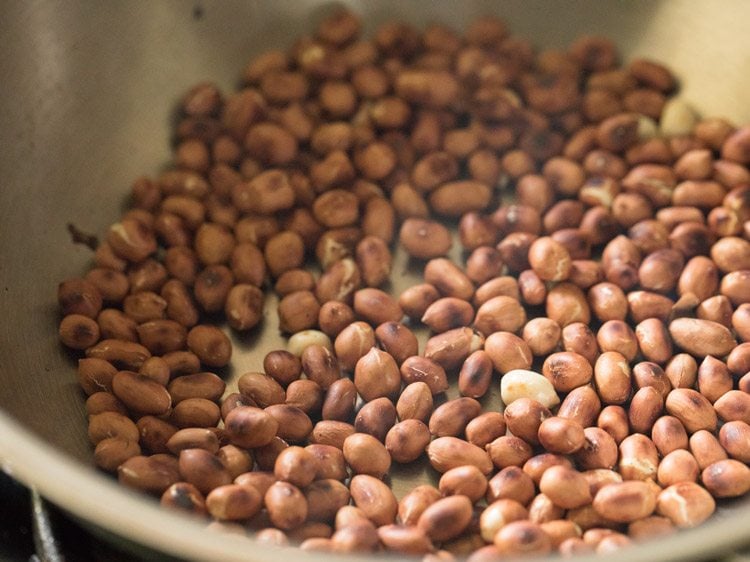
[(485, 428), (449, 452), (626, 501), (415, 300), (567, 370), (366, 455), (612, 377), (152, 474), (639, 458), (145, 306), (645, 408), (448, 313), (734, 287), (701, 337), (261, 388), (119, 353), (78, 331), (499, 286), (614, 420), (476, 375), (415, 401), (615, 335), (686, 504), (294, 424), (567, 304), (413, 504), (425, 239), (717, 308), (376, 374), (578, 338), (352, 343), (561, 435), (509, 450), (193, 438), (374, 498), (324, 499), (560, 530), (726, 478), (298, 311), (131, 240), (446, 518), (184, 496), (668, 434), (541, 510), (232, 502), (600, 477), (682, 371), (738, 360), (305, 395), (511, 483), (508, 352), (654, 341), (451, 418), (582, 404), (238, 461), (542, 335), (407, 440), (537, 465), (100, 402), (498, 514), (499, 314), (733, 405), (522, 538), (320, 365), (453, 199), (451, 348), (523, 418), (549, 259), (652, 526), (484, 264), (677, 466), (464, 480), (448, 279), (376, 418), (374, 260), (339, 400), (731, 253), (210, 344), (376, 306), (250, 427), (406, 540), (111, 452), (339, 281), (330, 462), (566, 488), (334, 316), (195, 412), (734, 436), (692, 409), (706, 448), (286, 505), (608, 302), (203, 469), (95, 375), (714, 381), (141, 394)]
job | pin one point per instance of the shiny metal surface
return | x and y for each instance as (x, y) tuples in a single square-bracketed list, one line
[(86, 94)]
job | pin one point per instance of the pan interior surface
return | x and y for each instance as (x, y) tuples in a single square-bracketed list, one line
[(86, 104)]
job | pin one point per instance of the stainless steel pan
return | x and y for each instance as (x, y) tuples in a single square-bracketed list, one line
[(86, 93)]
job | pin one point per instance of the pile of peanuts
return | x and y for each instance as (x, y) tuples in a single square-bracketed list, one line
[(610, 300)]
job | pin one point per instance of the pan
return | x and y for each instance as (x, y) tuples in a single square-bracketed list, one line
[(87, 92)]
